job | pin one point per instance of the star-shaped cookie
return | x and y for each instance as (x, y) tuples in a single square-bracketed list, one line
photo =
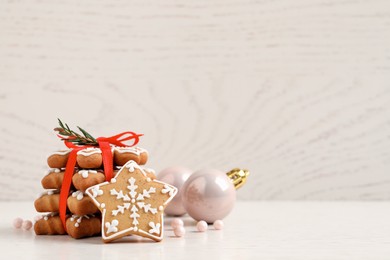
[(132, 204)]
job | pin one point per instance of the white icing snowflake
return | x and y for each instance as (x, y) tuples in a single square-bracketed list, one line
[(96, 191), (136, 201), (121, 209), (119, 195), (132, 200), (168, 189), (155, 228), (112, 227), (130, 166)]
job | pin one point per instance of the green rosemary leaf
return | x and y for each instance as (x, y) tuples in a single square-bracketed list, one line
[(86, 134), (71, 136), (67, 128), (60, 123)]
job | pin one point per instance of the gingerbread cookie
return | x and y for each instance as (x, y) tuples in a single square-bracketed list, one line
[(58, 159), (90, 158), (83, 226), (79, 204), (53, 180), (144, 155), (49, 225), (125, 154), (84, 179), (150, 173), (132, 204), (48, 201)]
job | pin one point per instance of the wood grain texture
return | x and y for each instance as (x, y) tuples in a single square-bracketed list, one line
[(296, 91)]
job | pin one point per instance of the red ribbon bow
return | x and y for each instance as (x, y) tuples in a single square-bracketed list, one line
[(105, 146)]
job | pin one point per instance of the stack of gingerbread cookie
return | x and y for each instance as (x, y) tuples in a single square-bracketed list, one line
[(83, 217)]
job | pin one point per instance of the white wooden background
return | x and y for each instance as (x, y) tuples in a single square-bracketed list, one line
[(296, 91)]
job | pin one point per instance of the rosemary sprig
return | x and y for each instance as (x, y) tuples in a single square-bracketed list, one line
[(69, 135)]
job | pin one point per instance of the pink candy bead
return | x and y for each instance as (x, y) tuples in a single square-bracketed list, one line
[(18, 223), (179, 231), (218, 224), (202, 226), (38, 217), (27, 225), (177, 222)]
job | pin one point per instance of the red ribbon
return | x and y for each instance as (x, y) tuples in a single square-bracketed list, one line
[(105, 146)]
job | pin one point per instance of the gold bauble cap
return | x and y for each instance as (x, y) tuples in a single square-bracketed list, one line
[(238, 177)]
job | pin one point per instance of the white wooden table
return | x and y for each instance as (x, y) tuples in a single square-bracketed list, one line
[(254, 230)]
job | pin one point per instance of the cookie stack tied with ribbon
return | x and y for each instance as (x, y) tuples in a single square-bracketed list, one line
[(86, 162)]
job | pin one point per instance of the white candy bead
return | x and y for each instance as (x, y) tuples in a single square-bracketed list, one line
[(179, 231), (218, 224), (202, 226), (176, 222)]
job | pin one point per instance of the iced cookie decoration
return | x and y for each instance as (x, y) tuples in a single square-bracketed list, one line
[(79, 204), (132, 204), (87, 178), (83, 226), (125, 154), (150, 173), (58, 159), (88, 161), (90, 158), (53, 179), (48, 201), (49, 224)]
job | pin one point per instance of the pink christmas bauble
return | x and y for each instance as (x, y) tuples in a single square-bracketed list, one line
[(208, 195), (175, 176)]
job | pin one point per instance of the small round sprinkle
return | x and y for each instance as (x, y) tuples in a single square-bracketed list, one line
[(160, 208), (202, 226), (77, 224), (71, 219), (177, 222), (18, 223), (179, 231), (27, 225), (148, 179), (218, 224), (113, 180), (102, 205), (45, 218)]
